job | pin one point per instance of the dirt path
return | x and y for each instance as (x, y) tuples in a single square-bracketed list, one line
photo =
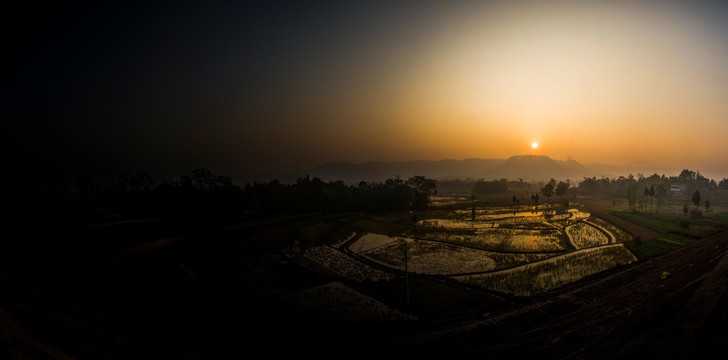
[(602, 208)]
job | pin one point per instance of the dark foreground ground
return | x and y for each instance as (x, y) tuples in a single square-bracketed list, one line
[(153, 290)]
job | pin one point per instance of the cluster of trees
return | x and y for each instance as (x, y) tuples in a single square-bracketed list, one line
[(498, 186), (723, 184), (651, 191), (204, 196), (552, 188), (313, 194)]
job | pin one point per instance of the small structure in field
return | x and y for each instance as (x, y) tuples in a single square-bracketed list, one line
[(677, 189)]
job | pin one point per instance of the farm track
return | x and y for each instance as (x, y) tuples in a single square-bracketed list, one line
[(630, 312)]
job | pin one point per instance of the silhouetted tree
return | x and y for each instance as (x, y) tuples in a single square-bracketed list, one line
[(472, 198), (548, 189), (652, 195), (490, 187), (660, 192), (424, 188), (696, 198), (632, 197), (562, 188), (723, 184), (687, 175)]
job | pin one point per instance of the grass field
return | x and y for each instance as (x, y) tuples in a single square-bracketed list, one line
[(659, 222), (677, 230), (722, 216), (660, 246)]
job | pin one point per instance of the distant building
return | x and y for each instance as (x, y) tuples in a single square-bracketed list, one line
[(678, 189)]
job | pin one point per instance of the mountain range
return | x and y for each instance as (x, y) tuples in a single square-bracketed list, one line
[(526, 167)]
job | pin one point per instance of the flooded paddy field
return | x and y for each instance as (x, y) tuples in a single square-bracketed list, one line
[(509, 250)]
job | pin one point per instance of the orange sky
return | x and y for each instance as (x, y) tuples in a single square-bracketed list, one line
[(278, 87), (606, 82)]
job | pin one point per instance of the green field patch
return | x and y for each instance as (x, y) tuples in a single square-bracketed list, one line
[(721, 216), (658, 222), (660, 246), (538, 277)]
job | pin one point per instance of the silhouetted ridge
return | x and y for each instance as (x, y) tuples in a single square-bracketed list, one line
[(526, 167), (538, 167)]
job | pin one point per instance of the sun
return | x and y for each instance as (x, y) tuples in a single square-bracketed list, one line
[(534, 145)]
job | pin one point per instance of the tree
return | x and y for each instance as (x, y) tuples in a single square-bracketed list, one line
[(660, 192), (632, 197), (646, 193), (696, 198), (723, 184), (548, 189), (424, 188), (687, 175), (534, 198), (472, 198), (562, 188), (652, 195)]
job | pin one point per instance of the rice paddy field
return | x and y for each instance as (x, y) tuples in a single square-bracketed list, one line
[(518, 251)]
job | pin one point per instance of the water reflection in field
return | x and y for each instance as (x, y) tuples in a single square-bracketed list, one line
[(538, 250)]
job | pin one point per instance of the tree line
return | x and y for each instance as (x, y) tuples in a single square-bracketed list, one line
[(644, 193), (202, 195)]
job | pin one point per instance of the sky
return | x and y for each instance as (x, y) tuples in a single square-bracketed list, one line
[(259, 89)]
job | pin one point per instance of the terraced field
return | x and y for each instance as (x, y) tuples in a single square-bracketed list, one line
[(519, 251)]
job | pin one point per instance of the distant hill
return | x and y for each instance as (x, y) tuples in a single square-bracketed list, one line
[(537, 168), (526, 167)]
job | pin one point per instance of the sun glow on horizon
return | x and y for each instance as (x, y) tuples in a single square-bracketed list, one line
[(534, 145)]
